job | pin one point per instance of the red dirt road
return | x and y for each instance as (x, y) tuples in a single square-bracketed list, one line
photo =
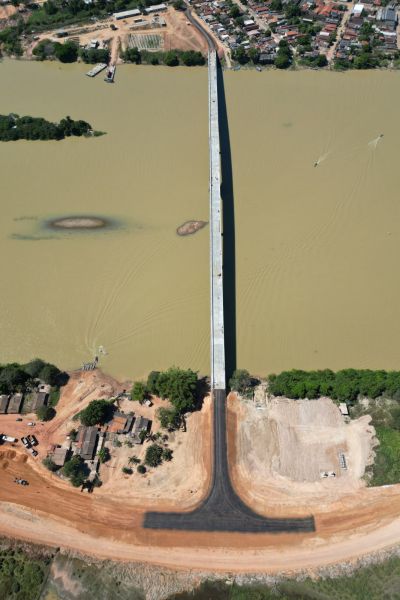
[(51, 512)]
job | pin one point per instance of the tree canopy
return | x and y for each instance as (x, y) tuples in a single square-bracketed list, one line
[(345, 385), (76, 471), (13, 127), (45, 413), (97, 412)]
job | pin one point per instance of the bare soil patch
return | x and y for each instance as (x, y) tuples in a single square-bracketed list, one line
[(284, 446)]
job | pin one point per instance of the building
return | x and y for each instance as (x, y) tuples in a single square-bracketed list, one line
[(39, 400), (14, 406), (141, 423), (59, 456), (125, 14), (86, 442), (155, 8), (4, 399)]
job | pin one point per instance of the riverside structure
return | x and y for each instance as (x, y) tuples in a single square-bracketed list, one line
[(222, 509)]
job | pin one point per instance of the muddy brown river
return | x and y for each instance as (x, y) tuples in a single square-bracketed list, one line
[(316, 209)]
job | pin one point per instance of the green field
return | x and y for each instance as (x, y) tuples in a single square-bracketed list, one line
[(386, 469)]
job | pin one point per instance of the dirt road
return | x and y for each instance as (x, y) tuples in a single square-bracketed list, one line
[(51, 512)]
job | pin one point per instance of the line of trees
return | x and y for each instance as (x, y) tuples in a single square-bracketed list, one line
[(13, 127), (171, 58), (345, 385), (69, 51), (15, 377)]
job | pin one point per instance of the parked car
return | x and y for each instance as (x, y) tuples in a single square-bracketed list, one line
[(33, 440), (33, 451), (19, 419), (31, 424), (25, 442)]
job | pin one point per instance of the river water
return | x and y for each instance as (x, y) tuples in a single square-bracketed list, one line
[(317, 247)]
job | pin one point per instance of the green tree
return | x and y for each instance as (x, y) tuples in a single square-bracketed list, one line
[(167, 454), (168, 417), (141, 469), (179, 5), (34, 367), (240, 56), (241, 381), (139, 392), (134, 460), (171, 59), (127, 470), (12, 377), (97, 412), (76, 471), (67, 52), (152, 382), (49, 374), (132, 55), (154, 455), (49, 464), (45, 413), (104, 455), (179, 386), (234, 11)]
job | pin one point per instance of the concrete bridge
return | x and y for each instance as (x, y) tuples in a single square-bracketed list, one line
[(222, 509), (218, 381)]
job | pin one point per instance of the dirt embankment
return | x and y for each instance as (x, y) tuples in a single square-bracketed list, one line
[(109, 525)]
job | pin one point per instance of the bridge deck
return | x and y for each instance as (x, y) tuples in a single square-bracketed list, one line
[(216, 262)]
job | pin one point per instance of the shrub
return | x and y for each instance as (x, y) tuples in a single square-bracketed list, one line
[(167, 454), (49, 464), (153, 456), (127, 470), (141, 469), (139, 392), (45, 413)]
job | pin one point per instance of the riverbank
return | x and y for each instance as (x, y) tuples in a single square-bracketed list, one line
[(74, 576)]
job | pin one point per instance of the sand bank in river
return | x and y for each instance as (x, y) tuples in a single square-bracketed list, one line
[(78, 223), (190, 227)]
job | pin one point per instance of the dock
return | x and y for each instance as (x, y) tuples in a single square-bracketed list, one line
[(96, 70)]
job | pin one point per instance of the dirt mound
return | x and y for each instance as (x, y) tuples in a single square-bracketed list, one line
[(11, 454)]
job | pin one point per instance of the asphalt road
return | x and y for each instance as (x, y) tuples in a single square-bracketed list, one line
[(203, 30), (223, 510)]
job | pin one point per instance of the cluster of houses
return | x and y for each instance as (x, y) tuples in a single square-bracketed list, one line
[(13, 404), (89, 440), (265, 24), (383, 23)]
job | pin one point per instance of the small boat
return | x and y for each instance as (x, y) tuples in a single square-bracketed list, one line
[(237, 68), (258, 68), (109, 78)]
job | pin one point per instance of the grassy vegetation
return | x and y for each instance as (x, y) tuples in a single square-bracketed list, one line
[(21, 577), (386, 468), (376, 582)]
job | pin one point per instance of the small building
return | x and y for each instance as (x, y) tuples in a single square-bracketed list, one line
[(141, 423), (358, 9), (39, 400), (344, 409), (14, 406), (118, 423), (59, 456), (86, 442), (155, 8), (4, 399), (126, 14)]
